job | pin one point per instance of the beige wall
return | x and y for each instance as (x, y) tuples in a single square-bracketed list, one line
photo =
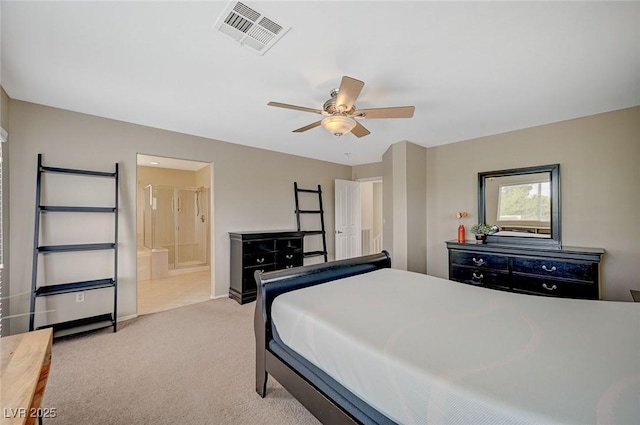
[(4, 122), (165, 177), (377, 208), (367, 171), (598, 156), (4, 109), (404, 205), (416, 182), (253, 188), (203, 177), (394, 204), (366, 205)]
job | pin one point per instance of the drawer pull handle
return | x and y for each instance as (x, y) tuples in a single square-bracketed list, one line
[(546, 269), (553, 288), (289, 256), (478, 277), (260, 260), (478, 262)]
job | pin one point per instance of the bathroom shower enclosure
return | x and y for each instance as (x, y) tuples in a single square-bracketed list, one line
[(177, 219)]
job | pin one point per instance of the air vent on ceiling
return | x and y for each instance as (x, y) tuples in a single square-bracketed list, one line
[(249, 28)]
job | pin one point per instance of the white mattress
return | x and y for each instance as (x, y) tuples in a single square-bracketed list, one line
[(426, 350)]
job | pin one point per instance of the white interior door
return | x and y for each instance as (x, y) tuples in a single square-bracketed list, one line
[(347, 218)]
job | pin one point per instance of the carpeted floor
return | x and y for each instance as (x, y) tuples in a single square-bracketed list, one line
[(190, 365)]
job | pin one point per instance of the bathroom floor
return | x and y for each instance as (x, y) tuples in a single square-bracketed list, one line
[(156, 295)]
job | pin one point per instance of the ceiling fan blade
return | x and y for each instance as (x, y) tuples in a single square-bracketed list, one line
[(394, 112), (296, 108), (307, 127), (359, 130), (349, 91)]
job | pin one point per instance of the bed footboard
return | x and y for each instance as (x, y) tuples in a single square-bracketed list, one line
[(272, 284)]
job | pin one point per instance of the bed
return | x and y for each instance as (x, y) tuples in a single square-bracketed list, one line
[(360, 343)]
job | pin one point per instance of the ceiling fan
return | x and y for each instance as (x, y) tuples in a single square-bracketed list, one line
[(341, 111)]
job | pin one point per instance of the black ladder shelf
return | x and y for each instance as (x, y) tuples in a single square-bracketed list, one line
[(320, 212), (37, 291)]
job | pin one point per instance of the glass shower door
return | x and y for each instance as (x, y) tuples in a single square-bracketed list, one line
[(191, 224), (164, 206)]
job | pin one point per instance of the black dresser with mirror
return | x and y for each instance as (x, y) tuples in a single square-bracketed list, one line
[(524, 252)]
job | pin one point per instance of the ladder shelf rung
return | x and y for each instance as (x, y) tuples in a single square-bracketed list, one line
[(309, 211), (77, 247), (308, 190), (81, 325), (77, 172), (66, 288), (313, 232), (313, 254), (59, 208)]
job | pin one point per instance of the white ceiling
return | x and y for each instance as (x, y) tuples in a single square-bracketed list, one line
[(471, 69), (173, 163)]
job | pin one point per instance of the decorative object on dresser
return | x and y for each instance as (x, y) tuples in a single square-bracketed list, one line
[(261, 251), (570, 272), (461, 231), (481, 231)]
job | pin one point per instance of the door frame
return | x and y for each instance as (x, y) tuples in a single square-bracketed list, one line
[(374, 179), (353, 225), (212, 239)]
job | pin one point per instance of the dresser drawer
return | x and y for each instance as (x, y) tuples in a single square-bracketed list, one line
[(569, 272), (258, 246), (479, 276), (259, 259), (475, 259), (555, 287), (288, 259), (289, 244), (248, 275), (550, 268)]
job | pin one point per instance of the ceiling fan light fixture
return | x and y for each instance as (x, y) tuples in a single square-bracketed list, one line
[(338, 124)]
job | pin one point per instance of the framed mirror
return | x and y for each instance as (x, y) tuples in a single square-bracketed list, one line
[(521, 204)]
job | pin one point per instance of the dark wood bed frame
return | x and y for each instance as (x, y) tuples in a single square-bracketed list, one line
[(272, 284)]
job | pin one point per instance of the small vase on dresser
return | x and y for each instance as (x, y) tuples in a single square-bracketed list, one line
[(461, 234)]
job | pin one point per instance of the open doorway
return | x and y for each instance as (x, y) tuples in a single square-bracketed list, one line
[(173, 227), (371, 216), (358, 217)]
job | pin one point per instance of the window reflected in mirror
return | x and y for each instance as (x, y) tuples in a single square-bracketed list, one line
[(520, 204)]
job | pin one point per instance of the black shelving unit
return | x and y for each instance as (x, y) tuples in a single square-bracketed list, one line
[(37, 291), (319, 212)]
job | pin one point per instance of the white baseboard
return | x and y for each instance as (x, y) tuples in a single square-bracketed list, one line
[(125, 318), (217, 297)]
